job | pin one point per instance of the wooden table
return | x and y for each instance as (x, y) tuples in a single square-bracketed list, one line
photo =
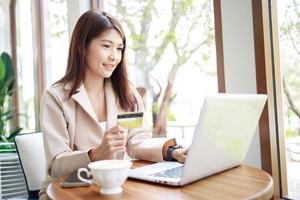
[(242, 182)]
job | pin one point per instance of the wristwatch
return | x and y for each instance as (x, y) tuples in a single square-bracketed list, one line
[(170, 151)]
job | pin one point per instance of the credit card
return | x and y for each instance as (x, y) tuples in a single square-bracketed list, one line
[(130, 119)]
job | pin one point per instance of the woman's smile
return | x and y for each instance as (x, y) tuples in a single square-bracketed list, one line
[(109, 66)]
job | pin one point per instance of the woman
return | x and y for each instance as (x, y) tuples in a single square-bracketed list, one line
[(79, 112)]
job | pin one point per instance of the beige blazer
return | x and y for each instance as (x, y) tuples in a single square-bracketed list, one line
[(70, 129)]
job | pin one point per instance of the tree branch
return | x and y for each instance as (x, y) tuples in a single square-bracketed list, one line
[(168, 37), (290, 24), (194, 23), (292, 106), (122, 9)]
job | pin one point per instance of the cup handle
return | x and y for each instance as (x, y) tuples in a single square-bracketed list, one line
[(88, 173)]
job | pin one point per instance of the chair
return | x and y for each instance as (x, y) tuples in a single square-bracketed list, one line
[(30, 148)]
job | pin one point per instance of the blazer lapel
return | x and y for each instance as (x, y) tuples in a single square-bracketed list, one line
[(81, 97), (111, 105)]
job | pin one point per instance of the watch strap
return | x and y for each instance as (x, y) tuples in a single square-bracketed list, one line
[(170, 151)]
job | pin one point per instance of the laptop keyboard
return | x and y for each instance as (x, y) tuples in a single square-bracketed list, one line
[(170, 173)]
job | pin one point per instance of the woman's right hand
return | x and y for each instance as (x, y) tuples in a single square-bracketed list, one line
[(114, 141)]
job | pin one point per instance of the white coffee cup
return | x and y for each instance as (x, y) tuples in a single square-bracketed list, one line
[(109, 175)]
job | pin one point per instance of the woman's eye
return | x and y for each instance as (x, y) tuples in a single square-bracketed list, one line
[(106, 45), (120, 49)]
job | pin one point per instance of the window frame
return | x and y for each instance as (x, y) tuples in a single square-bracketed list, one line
[(13, 41)]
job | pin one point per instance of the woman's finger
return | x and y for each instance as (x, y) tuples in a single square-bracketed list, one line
[(118, 136), (117, 129), (185, 150), (181, 158), (180, 154), (117, 143)]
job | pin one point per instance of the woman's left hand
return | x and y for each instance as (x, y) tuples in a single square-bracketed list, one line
[(180, 154)]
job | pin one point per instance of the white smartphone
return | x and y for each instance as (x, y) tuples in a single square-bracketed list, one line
[(72, 180)]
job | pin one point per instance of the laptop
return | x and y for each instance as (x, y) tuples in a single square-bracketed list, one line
[(221, 140)]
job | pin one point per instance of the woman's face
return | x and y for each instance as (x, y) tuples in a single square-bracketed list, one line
[(104, 53)]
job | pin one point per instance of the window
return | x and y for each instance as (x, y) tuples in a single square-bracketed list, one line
[(57, 40), (25, 62), (42, 50), (289, 32), (171, 48), (171, 55)]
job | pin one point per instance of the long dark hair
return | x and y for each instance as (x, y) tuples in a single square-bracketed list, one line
[(89, 26)]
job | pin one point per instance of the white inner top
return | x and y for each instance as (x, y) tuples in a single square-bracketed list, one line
[(102, 125)]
